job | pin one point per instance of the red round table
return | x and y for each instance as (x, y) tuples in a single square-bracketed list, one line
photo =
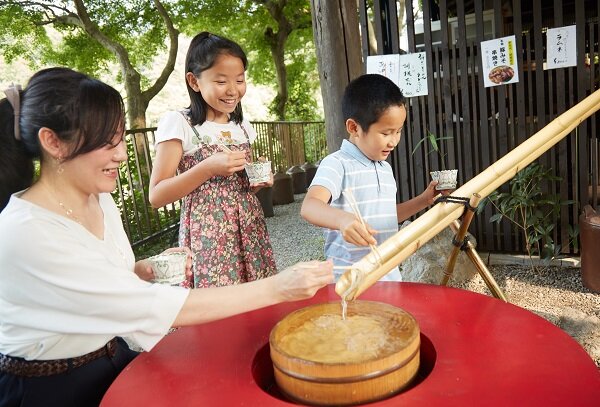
[(476, 350)]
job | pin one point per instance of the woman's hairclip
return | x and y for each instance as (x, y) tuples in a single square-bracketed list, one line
[(13, 95)]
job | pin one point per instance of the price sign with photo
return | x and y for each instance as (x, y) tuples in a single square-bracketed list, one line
[(499, 61), (561, 47)]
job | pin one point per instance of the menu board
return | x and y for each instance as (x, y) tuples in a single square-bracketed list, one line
[(499, 61), (561, 49)]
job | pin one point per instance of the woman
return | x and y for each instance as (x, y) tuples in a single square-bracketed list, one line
[(69, 283)]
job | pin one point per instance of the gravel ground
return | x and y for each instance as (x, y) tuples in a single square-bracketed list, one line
[(556, 293)]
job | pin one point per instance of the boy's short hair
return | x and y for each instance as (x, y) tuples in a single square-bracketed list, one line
[(368, 96)]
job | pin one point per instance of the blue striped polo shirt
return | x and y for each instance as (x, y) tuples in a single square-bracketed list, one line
[(374, 189)]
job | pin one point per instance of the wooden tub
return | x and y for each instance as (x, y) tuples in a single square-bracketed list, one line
[(374, 357)]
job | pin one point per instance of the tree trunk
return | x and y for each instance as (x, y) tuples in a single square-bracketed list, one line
[(136, 102), (337, 40), (277, 45), (276, 41)]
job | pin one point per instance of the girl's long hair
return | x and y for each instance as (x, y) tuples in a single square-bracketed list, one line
[(202, 54)]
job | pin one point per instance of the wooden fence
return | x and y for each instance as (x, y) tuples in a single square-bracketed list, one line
[(485, 123), (285, 144), (290, 143)]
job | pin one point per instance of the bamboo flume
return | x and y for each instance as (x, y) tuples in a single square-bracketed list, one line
[(404, 243)]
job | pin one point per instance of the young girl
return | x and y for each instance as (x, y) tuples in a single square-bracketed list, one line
[(200, 156)]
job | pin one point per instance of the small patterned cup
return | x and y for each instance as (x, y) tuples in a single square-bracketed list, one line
[(446, 179), (169, 268), (258, 171)]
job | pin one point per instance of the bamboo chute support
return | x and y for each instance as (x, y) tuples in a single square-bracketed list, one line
[(392, 252)]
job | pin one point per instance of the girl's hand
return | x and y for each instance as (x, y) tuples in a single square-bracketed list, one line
[(256, 187), (302, 280), (354, 232), (225, 163)]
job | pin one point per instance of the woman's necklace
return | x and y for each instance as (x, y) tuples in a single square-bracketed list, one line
[(71, 215), (68, 211)]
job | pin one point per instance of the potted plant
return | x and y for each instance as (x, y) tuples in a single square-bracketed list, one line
[(446, 178), (527, 206)]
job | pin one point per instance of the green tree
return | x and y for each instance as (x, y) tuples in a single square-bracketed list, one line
[(92, 35)]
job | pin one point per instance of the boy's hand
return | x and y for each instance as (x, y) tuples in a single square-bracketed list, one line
[(354, 232), (430, 194)]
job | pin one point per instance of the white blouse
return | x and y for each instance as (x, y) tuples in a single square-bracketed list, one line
[(65, 293)]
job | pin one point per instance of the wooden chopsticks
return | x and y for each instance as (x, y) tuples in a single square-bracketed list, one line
[(225, 148), (354, 205)]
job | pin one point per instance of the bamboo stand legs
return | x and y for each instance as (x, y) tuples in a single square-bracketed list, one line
[(460, 229)]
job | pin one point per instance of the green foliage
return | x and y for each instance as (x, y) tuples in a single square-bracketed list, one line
[(435, 146), (315, 143), (22, 36), (139, 219), (134, 24), (532, 210)]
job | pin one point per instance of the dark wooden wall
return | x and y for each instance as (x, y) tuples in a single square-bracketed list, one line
[(486, 123)]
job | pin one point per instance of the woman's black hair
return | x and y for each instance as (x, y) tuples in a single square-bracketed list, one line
[(367, 97), (83, 112), (202, 54)]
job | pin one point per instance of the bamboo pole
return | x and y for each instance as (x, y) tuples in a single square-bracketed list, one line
[(459, 237), (404, 243)]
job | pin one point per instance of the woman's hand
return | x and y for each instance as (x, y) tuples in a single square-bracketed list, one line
[(143, 268), (190, 258), (354, 232), (302, 280), (226, 163)]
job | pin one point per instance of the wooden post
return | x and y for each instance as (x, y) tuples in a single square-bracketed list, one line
[(460, 236), (485, 274), (337, 41)]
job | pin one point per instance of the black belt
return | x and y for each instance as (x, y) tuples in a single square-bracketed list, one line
[(37, 368)]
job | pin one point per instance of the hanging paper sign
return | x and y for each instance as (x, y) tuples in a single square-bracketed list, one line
[(413, 74), (560, 47), (386, 65), (407, 71), (499, 61)]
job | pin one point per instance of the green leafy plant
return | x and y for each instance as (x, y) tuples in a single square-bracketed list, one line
[(533, 211), (434, 143)]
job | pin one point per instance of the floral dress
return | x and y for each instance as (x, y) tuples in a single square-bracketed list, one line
[(223, 224)]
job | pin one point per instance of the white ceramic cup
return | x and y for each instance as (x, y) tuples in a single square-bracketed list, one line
[(169, 268), (258, 171), (446, 179)]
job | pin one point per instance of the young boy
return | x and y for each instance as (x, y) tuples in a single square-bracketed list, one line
[(374, 110)]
